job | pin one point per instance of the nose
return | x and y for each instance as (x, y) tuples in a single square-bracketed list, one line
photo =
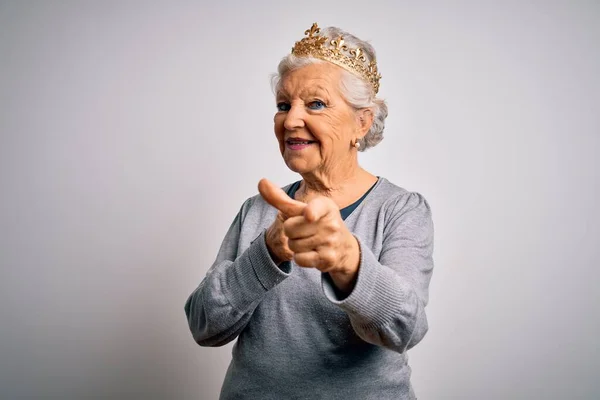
[(294, 118)]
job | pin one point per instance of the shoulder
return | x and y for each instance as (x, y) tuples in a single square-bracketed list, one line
[(399, 206), (406, 214), (392, 196)]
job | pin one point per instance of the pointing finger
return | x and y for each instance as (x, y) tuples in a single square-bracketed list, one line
[(319, 208)]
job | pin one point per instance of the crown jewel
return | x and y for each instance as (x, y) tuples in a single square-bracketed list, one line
[(336, 52)]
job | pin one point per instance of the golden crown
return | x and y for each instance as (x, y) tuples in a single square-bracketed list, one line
[(336, 52)]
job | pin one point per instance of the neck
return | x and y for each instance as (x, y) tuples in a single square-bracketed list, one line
[(339, 185)]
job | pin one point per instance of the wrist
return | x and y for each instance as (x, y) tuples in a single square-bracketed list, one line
[(345, 277), (274, 257)]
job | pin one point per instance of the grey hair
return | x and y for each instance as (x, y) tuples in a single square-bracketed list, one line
[(356, 91)]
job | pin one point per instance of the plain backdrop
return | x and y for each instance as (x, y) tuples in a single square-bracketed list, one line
[(132, 131)]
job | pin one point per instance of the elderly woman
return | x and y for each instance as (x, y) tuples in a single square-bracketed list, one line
[(324, 282)]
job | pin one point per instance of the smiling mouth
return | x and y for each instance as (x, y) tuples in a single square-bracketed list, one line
[(293, 142), (298, 145)]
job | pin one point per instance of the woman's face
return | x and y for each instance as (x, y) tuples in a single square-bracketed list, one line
[(314, 124)]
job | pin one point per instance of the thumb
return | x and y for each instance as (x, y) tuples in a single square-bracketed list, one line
[(279, 199)]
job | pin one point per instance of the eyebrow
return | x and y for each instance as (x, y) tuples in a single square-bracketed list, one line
[(310, 91), (281, 93), (315, 90)]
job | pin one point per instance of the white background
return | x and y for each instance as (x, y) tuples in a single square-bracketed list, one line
[(131, 132)]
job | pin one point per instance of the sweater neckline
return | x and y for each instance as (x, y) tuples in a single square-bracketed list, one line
[(349, 209)]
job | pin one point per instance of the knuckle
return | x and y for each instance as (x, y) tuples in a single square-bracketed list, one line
[(327, 241), (327, 258), (335, 225)]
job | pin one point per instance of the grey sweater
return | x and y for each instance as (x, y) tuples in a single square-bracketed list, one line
[(295, 338)]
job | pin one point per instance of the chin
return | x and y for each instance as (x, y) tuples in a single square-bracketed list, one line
[(298, 166)]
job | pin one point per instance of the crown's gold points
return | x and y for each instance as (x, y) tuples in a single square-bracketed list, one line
[(336, 52)]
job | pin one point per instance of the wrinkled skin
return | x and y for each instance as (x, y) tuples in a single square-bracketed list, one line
[(311, 231)]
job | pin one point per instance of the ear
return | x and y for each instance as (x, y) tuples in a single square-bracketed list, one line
[(364, 118)]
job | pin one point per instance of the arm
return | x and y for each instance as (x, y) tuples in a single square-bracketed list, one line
[(387, 304), (221, 306)]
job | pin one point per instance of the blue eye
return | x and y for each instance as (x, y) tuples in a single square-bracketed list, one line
[(316, 105), (283, 106)]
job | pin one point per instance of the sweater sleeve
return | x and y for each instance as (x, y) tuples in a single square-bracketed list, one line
[(387, 305), (219, 309)]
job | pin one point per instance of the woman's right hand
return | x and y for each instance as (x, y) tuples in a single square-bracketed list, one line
[(277, 241)]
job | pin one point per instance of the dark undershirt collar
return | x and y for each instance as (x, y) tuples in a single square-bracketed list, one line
[(346, 211)]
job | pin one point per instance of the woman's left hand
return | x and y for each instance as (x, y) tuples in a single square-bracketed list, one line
[(317, 235)]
